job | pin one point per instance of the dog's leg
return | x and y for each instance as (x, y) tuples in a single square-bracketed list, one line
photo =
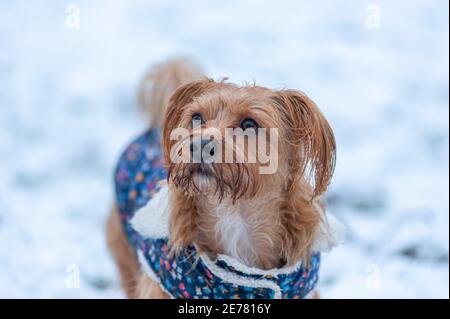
[(149, 289), (122, 254), (313, 295)]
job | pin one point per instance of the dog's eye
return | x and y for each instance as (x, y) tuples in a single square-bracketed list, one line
[(197, 119), (249, 123)]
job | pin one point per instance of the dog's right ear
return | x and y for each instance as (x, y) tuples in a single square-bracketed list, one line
[(182, 96)]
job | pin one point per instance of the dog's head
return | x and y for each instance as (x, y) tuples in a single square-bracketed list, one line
[(236, 146), (242, 142)]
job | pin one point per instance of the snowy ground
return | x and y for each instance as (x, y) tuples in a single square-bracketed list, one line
[(67, 109)]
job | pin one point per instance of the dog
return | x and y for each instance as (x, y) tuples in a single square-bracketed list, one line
[(209, 228)]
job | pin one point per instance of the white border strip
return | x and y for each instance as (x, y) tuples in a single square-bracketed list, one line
[(239, 280), (256, 271)]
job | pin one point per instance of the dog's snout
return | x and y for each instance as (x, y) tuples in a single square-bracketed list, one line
[(202, 149)]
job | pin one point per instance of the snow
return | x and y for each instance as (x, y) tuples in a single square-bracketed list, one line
[(67, 108)]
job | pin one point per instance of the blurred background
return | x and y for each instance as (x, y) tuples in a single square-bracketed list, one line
[(377, 69)]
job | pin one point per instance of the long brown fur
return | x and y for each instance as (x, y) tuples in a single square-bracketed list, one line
[(281, 212), (122, 254)]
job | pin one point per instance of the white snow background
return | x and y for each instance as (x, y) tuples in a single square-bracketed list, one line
[(67, 109)]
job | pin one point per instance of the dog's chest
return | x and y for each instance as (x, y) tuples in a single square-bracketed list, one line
[(233, 232), (242, 231)]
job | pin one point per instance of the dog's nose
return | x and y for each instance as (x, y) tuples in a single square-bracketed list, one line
[(202, 150)]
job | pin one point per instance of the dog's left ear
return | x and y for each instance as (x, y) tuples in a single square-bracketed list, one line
[(311, 137)]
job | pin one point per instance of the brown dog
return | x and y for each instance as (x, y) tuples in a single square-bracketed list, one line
[(262, 220)]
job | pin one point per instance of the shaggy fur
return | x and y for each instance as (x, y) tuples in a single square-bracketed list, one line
[(263, 221), (121, 252)]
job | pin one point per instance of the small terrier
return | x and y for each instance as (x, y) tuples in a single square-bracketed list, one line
[(196, 216)]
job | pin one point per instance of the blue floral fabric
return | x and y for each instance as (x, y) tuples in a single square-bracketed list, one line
[(189, 275)]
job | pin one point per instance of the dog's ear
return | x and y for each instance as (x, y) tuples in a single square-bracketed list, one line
[(182, 96), (312, 138)]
